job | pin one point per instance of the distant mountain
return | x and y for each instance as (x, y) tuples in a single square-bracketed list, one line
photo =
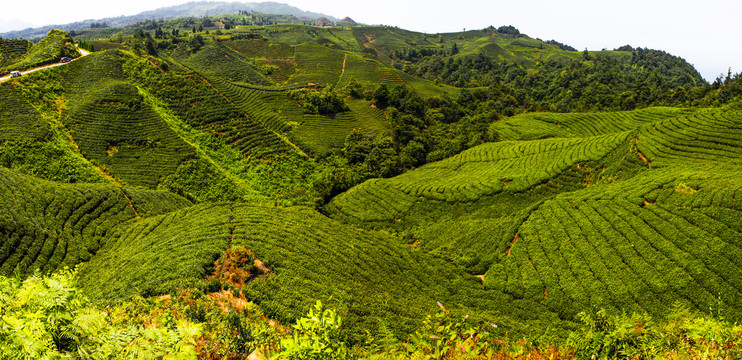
[(200, 8), (13, 24)]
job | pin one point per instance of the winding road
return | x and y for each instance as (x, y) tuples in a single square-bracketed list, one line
[(82, 53)]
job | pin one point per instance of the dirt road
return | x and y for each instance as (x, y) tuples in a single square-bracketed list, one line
[(6, 78)]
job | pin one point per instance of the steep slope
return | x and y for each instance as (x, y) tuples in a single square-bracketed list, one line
[(623, 220), (19, 121), (305, 256), (271, 106), (113, 126), (486, 170), (534, 126), (12, 49), (46, 225), (55, 45)]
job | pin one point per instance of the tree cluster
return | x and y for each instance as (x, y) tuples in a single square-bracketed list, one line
[(324, 102), (594, 83)]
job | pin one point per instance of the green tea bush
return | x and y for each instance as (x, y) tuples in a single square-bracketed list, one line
[(11, 50), (46, 225)]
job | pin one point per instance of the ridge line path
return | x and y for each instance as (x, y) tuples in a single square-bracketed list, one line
[(82, 53)]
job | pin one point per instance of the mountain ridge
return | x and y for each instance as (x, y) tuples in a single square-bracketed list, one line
[(193, 8)]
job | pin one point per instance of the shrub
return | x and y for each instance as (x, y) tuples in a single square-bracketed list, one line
[(315, 337), (46, 317)]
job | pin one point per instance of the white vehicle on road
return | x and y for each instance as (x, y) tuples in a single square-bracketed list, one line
[(15, 74)]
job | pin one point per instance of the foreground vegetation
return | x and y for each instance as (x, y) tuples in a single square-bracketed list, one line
[(47, 317)]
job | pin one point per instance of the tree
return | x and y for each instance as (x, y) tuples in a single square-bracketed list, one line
[(586, 55), (195, 43), (354, 89), (357, 146), (508, 29), (382, 96), (413, 154)]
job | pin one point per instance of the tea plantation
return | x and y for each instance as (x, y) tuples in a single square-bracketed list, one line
[(11, 50), (302, 251), (386, 173), (47, 225), (116, 129), (622, 220), (18, 120), (21, 55)]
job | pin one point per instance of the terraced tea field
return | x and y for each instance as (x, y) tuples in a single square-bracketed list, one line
[(264, 106), (628, 211), (710, 137), (48, 50), (314, 133), (320, 134), (116, 130), (260, 49), (368, 71), (622, 221), (18, 119), (317, 64), (340, 38), (202, 106), (482, 171), (218, 61), (47, 225), (635, 246), (544, 125), (11, 50), (303, 251)]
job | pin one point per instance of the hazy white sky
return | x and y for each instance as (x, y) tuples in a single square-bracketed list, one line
[(705, 33)]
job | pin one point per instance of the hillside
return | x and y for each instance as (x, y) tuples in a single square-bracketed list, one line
[(386, 173), (623, 220), (22, 55)]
